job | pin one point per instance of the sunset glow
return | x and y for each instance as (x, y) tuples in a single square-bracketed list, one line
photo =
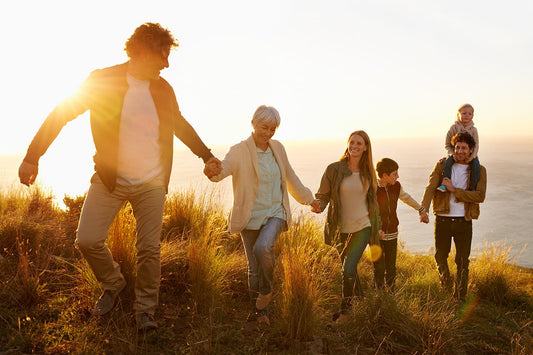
[(392, 68)]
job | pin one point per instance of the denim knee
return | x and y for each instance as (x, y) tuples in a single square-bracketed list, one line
[(261, 250)]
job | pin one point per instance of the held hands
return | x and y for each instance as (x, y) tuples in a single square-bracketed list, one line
[(315, 206), (213, 167), (424, 218), (28, 173)]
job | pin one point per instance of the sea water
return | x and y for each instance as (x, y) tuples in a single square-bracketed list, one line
[(506, 214)]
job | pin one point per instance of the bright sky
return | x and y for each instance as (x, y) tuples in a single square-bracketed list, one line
[(392, 68)]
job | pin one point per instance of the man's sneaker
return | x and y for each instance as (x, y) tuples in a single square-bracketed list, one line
[(340, 317), (263, 320), (441, 188), (145, 322), (107, 300), (263, 301)]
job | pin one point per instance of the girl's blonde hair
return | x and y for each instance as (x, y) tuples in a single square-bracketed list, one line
[(465, 106)]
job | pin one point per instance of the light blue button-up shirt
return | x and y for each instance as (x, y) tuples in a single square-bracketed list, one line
[(269, 195)]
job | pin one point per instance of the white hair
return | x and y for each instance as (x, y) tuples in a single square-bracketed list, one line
[(266, 114)]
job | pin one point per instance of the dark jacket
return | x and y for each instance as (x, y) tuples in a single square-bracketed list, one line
[(329, 193), (103, 94)]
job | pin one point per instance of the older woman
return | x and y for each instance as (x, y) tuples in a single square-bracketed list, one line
[(349, 186), (262, 175)]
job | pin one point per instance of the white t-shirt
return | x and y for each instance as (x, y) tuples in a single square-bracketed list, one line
[(138, 147), (459, 180)]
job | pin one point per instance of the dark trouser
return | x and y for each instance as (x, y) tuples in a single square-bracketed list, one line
[(460, 230), (475, 171), (386, 264), (352, 247)]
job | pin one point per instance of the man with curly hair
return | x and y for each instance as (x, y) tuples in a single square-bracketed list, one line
[(134, 117), (454, 211)]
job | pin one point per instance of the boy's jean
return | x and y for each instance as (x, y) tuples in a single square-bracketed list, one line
[(351, 285), (386, 264), (475, 171), (259, 247)]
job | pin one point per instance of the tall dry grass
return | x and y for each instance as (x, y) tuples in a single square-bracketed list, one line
[(46, 308), (212, 263), (308, 271)]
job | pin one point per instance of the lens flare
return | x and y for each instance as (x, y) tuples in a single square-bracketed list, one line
[(374, 253)]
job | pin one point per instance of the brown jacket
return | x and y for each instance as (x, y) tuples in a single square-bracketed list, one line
[(103, 94), (441, 200)]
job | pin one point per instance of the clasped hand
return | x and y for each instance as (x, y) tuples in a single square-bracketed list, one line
[(213, 167)]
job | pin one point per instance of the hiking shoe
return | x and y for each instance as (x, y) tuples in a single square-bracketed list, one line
[(263, 320), (340, 317), (441, 188), (145, 322), (107, 301), (263, 301)]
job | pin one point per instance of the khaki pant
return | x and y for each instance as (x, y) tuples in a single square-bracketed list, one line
[(99, 210)]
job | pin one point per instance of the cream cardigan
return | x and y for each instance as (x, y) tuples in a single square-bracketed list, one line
[(241, 163)]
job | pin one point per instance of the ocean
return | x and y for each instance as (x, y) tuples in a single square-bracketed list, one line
[(505, 215)]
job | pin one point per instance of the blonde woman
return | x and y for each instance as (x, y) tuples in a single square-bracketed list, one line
[(349, 187), (262, 178)]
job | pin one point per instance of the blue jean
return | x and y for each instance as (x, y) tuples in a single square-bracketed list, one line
[(259, 247), (350, 256), (475, 171)]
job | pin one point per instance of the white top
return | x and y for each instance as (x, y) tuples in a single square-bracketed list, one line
[(459, 180), (354, 212), (269, 196), (138, 149)]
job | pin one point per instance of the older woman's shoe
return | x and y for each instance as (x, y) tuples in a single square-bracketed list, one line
[(263, 301)]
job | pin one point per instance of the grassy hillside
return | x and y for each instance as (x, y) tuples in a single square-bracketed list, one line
[(47, 291)]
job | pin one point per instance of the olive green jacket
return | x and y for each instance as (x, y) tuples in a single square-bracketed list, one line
[(329, 193)]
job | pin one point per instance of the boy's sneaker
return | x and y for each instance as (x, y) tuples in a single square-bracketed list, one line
[(441, 188), (107, 300)]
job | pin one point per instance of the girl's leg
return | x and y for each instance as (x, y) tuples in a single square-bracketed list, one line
[(475, 171)]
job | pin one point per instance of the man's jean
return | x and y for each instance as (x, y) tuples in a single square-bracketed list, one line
[(99, 209), (259, 248), (460, 230)]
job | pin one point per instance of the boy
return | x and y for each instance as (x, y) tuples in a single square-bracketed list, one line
[(388, 192), (464, 123)]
